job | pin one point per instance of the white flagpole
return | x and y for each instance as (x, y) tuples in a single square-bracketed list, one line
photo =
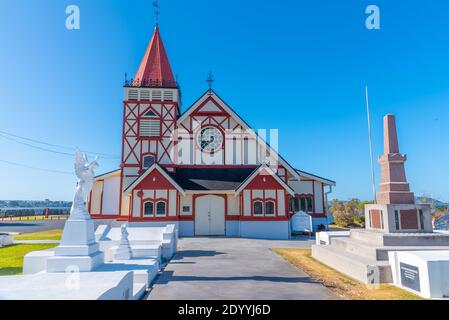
[(373, 176)]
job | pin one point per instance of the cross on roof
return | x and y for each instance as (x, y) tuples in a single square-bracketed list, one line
[(210, 80), (157, 10)]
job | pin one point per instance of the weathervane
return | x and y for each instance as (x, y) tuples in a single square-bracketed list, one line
[(157, 10), (210, 80)]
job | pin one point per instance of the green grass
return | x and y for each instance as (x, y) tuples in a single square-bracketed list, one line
[(35, 218), (11, 257), (45, 235)]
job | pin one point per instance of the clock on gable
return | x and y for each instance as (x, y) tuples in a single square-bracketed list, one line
[(210, 139)]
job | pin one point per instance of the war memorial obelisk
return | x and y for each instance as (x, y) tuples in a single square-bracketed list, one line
[(394, 223)]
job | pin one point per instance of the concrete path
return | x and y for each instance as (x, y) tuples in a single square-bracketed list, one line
[(240, 269)]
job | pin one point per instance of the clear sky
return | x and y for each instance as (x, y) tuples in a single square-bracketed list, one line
[(299, 66)]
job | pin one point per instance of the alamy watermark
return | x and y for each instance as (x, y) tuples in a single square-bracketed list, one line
[(73, 20), (373, 20)]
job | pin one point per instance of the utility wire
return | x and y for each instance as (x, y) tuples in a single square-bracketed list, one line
[(10, 136), (34, 168)]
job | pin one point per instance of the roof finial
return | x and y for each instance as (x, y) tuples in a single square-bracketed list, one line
[(157, 10), (210, 80)]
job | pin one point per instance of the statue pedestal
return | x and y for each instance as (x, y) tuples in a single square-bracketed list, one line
[(78, 250), (399, 218)]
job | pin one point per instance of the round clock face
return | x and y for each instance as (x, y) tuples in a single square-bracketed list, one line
[(210, 139)]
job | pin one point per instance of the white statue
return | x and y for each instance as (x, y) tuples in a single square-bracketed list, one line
[(85, 174), (124, 251)]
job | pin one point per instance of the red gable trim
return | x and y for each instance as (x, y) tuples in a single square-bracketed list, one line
[(154, 181), (264, 181)]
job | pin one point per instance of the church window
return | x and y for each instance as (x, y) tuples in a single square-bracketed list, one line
[(147, 162), (269, 208), (309, 204), (161, 209), (149, 209), (258, 208), (301, 203)]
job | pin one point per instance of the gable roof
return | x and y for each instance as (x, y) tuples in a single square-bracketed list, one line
[(209, 179), (108, 174), (256, 172), (147, 172), (317, 178), (155, 67), (240, 121)]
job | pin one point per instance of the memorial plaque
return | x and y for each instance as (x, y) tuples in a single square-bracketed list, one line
[(410, 277)]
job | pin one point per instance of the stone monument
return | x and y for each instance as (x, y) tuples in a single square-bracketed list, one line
[(395, 210), (78, 250), (395, 223)]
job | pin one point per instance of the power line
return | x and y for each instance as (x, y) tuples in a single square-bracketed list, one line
[(34, 168), (10, 136)]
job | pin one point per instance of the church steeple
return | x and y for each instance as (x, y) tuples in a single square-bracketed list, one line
[(155, 70)]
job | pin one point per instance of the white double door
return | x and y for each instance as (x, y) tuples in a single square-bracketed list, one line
[(210, 216)]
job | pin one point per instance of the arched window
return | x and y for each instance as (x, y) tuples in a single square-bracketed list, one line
[(269, 208), (149, 209), (258, 208), (161, 209), (147, 161)]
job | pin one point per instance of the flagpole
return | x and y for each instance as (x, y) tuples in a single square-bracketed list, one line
[(373, 176)]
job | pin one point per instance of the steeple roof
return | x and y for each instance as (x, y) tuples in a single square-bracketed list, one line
[(155, 70)]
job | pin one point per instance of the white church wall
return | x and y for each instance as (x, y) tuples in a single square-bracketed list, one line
[(186, 201), (136, 205), (233, 205), (186, 229), (247, 203), (232, 228), (96, 197), (172, 203), (301, 187), (111, 196), (318, 197), (281, 202), (272, 230)]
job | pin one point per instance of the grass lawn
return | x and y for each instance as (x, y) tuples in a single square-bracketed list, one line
[(340, 284), (11, 257), (34, 218), (45, 235)]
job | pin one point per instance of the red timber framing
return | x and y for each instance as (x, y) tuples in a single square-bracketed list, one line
[(155, 181), (264, 182), (134, 148)]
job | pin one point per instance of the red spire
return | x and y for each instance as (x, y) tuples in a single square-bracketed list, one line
[(155, 70)]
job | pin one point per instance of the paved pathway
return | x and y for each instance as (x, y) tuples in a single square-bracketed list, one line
[(241, 269)]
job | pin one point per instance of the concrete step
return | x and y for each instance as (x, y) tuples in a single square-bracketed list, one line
[(369, 237), (356, 247), (365, 270), (377, 253), (380, 239), (139, 290), (145, 251)]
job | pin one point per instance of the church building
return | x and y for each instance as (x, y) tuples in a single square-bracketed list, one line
[(203, 169)]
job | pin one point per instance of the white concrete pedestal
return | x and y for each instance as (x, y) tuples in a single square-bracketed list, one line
[(78, 250)]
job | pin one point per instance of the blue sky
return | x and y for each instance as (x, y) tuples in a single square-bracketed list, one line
[(299, 66)]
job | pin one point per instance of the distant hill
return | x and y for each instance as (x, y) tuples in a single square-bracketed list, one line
[(435, 202), (6, 204)]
